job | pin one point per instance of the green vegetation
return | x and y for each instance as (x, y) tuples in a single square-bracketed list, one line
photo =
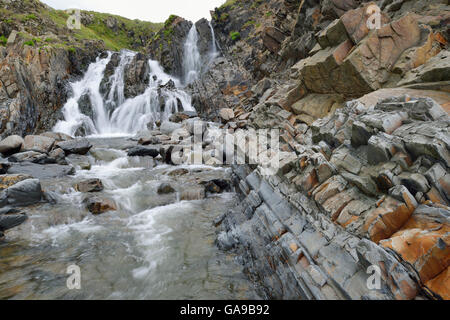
[(3, 41), (269, 13), (126, 33), (29, 43), (249, 23), (235, 35)]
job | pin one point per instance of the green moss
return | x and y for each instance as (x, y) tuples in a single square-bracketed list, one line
[(3, 41), (235, 35), (72, 50), (29, 43), (249, 23), (269, 13)]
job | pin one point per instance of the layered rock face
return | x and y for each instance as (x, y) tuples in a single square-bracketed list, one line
[(364, 150)]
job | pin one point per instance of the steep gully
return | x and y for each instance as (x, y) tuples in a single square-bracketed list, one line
[(154, 245)]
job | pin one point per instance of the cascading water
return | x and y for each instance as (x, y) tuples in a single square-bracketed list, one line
[(192, 63), (115, 115), (214, 53)]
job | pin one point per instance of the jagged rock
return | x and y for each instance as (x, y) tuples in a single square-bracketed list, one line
[(141, 151), (165, 188), (90, 185), (136, 76), (435, 69), (75, 146), (226, 114), (59, 155), (315, 106), (11, 144), (38, 143), (273, 38), (23, 193)]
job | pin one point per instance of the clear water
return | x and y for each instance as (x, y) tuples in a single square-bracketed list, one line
[(152, 247)]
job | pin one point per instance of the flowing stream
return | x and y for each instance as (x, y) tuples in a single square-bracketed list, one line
[(153, 246)]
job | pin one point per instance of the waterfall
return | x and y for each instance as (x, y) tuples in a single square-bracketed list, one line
[(213, 51), (192, 64), (162, 97)]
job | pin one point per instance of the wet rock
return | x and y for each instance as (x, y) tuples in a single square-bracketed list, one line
[(32, 156), (90, 185), (168, 127), (75, 146), (165, 188), (9, 221), (38, 143), (24, 193), (4, 166), (80, 161), (99, 205), (11, 144), (59, 155), (38, 171), (7, 180), (141, 151)]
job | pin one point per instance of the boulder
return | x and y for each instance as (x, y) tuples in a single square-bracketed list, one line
[(141, 151), (57, 136), (168, 127), (38, 171), (11, 144), (38, 143), (76, 146), (7, 180), (90, 185), (24, 193), (9, 221)]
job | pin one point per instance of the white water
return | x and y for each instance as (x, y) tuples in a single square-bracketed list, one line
[(192, 64), (115, 115), (214, 53)]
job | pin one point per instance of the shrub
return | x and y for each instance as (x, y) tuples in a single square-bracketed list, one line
[(235, 35)]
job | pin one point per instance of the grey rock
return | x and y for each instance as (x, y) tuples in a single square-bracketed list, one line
[(141, 151), (168, 127), (76, 146), (38, 143), (11, 144), (38, 171), (24, 193), (9, 221)]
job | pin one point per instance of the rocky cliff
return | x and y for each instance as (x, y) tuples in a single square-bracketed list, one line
[(363, 116)]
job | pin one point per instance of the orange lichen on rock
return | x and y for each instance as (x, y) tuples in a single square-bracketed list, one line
[(427, 251), (441, 284), (385, 220)]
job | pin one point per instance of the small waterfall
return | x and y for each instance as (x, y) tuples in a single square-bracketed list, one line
[(192, 64), (89, 86), (116, 95), (115, 115), (213, 51)]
